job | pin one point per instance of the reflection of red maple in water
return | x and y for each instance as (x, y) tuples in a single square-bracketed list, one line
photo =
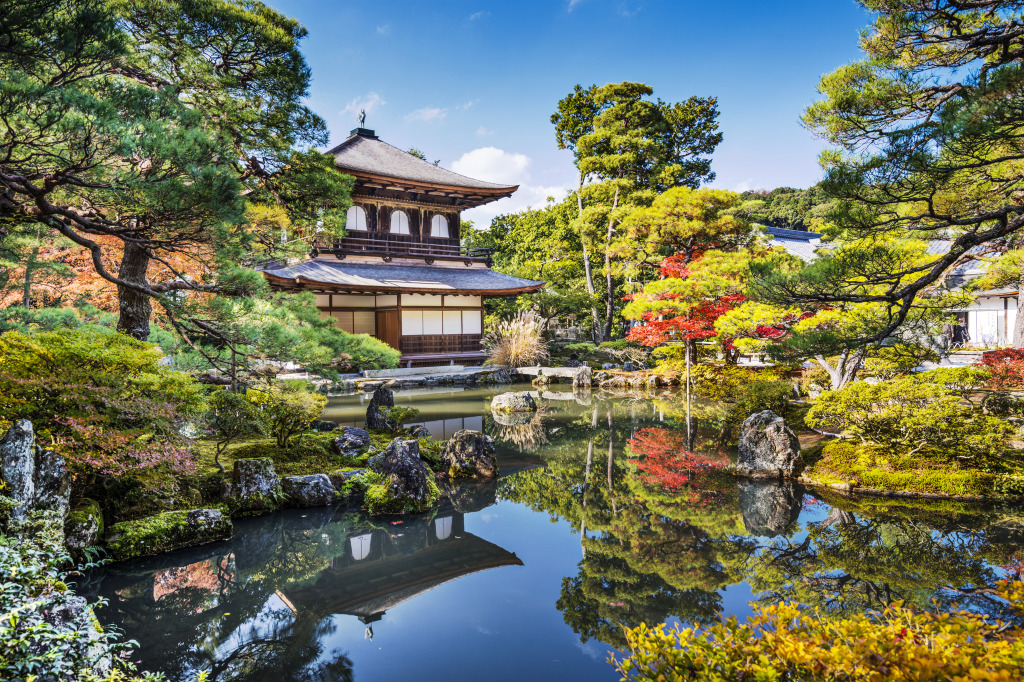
[(201, 575), (667, 462)]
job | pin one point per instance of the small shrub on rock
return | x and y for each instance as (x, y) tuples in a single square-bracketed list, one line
[(288, 407)]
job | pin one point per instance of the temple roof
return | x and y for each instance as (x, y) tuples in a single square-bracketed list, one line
[(370, 159), (803, 245), (333, 275)]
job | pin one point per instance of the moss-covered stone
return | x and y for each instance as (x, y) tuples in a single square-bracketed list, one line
[(165, 532), (84, 526), (255, 486)]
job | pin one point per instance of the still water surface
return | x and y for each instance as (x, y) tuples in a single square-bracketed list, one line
[(533, 577)]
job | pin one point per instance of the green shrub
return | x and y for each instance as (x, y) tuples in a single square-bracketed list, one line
[(757, 396), (288, 407), (232, 416), (34, 577), (913, 415), (619, 344), (398, 415), (582, 349), (101, 398), (897, 359), (379, 499)]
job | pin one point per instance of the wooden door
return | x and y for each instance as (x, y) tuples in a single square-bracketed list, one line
[(388, 328)]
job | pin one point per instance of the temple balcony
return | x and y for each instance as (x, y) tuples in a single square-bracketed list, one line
[(389, 246)]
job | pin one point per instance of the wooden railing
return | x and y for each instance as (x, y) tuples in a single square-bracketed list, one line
[(388, 245), (441, 343)]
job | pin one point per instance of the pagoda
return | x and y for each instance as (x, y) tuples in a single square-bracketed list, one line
[(401, 273)]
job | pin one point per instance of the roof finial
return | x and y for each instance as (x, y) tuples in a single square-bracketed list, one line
[(362, 118)]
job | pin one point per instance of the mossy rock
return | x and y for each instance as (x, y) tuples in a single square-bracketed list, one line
[(83, 527), (166, 532)]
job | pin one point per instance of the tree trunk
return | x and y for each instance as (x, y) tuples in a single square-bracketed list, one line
[(609, 311), (30, 268), (595, 315), (846, 367), (1018, 323), (134, 306)]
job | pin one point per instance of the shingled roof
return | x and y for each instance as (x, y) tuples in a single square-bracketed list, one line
[(370, 277), (362, 153)]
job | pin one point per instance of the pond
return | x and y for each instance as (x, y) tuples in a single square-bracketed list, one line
[(532, 577)]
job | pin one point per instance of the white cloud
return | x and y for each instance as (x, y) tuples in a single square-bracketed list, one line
[(744, 186), (511, 168), (384, 30), (573, 3), (478, 15), (484, 131), (493, 165), (369, 102), (427, 114), (467, 105)]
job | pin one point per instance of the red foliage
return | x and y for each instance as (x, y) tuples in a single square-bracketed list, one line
[(699, 324), (667, 462), (1006, 367)]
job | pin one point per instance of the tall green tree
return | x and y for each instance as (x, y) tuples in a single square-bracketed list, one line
[(926, 142), (627, 149), (141, 128)]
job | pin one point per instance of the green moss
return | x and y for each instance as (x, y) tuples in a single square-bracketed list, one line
[(379, 499), (868, 466), (85, 513), (161, 533), (311, 454)]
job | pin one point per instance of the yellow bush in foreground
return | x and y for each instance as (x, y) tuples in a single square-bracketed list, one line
[(784, 642)]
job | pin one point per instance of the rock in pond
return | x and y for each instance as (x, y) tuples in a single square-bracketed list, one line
[(470, 496), (406, 482), (520, 401), (768, 447), (770, 508), (351, 442), (323, 425), (375, 419), (419, 431), (84, 527), (255, 485), (34, 478), (315, 490), (512, 418), (165, 532), (470, 454)]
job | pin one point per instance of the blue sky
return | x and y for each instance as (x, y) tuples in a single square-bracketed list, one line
[(474, 83)]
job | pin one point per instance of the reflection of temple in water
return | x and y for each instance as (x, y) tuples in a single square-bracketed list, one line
[(382, 570), (264, 600)]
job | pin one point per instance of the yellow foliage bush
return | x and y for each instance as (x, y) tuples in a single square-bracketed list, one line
[(785, 642)]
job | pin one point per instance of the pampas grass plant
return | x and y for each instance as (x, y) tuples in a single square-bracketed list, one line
[(517, 342)]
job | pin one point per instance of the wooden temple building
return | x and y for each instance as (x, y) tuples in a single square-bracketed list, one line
[(401, 273)]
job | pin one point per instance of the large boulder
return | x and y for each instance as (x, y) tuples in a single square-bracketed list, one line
[(309, 491), (512, 418), (520, 401), (34, 478), (165, 532), (404, 482), (84, 527), (470, 454), (351, 442), (768, 447), (375, 419), (770, 508), (255, 486), (18, 465)]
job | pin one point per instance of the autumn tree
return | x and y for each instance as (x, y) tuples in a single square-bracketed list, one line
[(627, 149), (925, 134), (145, 127)]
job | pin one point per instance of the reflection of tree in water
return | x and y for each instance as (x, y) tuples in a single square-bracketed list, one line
[(646, 555), (854, 563), (651, 553)]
